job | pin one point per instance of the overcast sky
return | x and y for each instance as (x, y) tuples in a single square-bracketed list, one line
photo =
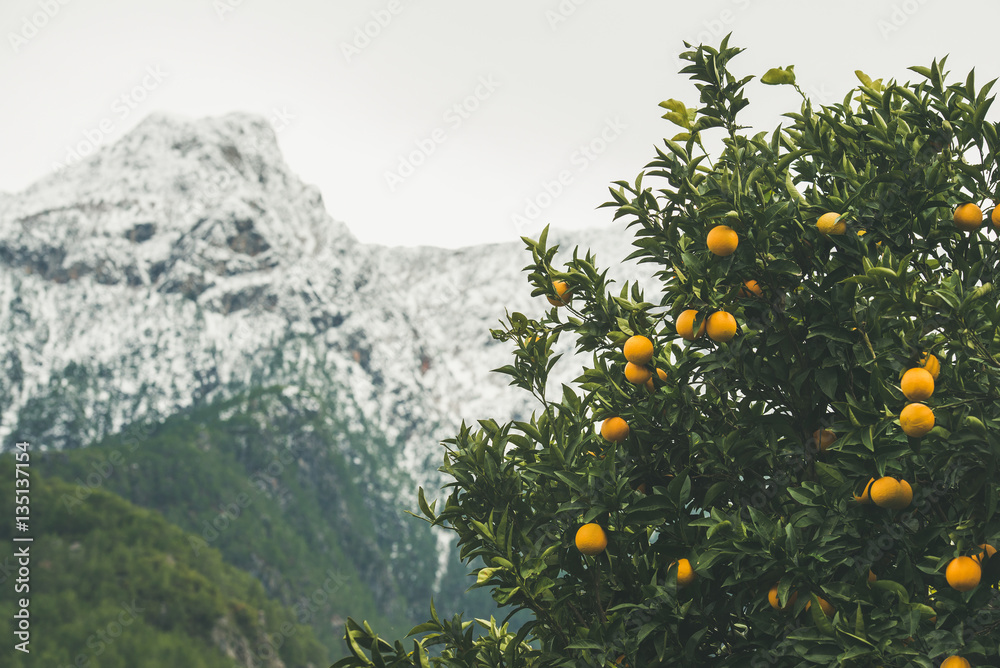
[(443, 122)]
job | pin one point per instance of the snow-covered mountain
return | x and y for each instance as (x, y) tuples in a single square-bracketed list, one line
[(186, 261)]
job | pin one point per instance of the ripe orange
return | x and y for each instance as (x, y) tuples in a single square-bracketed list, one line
[(955, 661), (638, 350), (562, 289), (661, 374), (916, 420), (968, 217), (907, 493), (828, 224), (637, 374), (721, 327), (866, 494), (772, 598), (824, 605), (917, 384), (889, 493), (871, 576), (963, 573), (751, 288), (988, 551), (591, 539), (995, 216), (824, 438), (685, 325), (614, 429), (685, 573), (931, 363), (723, 240)]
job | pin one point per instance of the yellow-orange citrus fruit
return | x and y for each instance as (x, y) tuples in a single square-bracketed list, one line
[(562, 289), (591, 539), (637, 374), (963, 573), (988, 551), (723, 240), (772, 598), (871, 576), (824, 439), (638, 350), (685, 574), (907, 492), (721, 327), (968, 217), (917, 384), (866, 494), (828, 224), (620, 660), (685, 325), (916, 420), (650, 385), (995, 216), (824, 605), (751, 288), (931, 363), (889, 493), (955, 662), (614, 429)]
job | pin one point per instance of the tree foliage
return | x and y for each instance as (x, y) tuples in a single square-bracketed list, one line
[(721, 465)]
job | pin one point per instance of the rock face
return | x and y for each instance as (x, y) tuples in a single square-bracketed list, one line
[(187, 261)]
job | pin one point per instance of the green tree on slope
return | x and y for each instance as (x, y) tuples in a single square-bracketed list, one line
[(734, 493)]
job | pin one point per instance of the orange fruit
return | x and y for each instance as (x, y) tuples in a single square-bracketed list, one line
[(772, 598), (642, 488), (889, 493), (751, 288), (661, 374), (721, 327), (591, 539), (988, 551), (637, 374), (824, 438), (562, 289), (968, 217), (866, 494), (995, 216), (685, 325), (685, 574), (614, 429), (723, 240), (871, 576), (824, 605), (828, 224), (930, 363), (638, 350), (907, 492), (917, 384), (916, 420), (963, 573), (955, 662)]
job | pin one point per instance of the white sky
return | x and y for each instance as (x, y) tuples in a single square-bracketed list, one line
[(557, 86)]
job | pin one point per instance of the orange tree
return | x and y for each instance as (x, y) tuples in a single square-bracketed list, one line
[(772, 495)]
